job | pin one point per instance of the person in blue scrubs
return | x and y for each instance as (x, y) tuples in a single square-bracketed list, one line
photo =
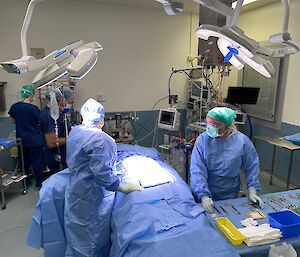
[(218, 156), (91, 158), (26, 117), (56, 146)]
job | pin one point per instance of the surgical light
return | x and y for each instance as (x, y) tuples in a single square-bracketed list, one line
[(244, 3), (237, 48), (74, 60)]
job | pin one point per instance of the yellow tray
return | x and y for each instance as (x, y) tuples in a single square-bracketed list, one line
[(230, 231)]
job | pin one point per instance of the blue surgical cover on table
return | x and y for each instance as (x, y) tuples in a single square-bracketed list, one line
[(162, 220)]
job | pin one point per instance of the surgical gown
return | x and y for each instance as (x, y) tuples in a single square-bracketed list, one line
[(91, 158), (216, 165)]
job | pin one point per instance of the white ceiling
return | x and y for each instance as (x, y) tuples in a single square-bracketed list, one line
[(190, 6)]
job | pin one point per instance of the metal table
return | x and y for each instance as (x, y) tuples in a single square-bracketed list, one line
[(276, 141), (9, 178), (225, 208)]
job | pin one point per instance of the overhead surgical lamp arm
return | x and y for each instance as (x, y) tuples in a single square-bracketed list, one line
[(25, 25), (286, 15), (283, 38), (171, 7), (218, 7)]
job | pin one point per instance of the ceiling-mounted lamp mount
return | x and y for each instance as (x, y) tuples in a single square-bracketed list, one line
[(172, 7)]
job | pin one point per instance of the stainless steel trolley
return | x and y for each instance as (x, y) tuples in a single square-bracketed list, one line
[(9, 178)]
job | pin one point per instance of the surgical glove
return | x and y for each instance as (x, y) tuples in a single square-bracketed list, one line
[(127, 185), (207, 203), (253, 197)]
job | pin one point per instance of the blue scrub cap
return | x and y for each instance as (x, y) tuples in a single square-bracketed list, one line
[(223, 114), (92, 112)]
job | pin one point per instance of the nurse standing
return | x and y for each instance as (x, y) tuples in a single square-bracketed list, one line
[(217, 159), (56, 143), (26, 117)]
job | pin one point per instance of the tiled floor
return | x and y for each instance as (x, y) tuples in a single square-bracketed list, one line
[(15, 220)]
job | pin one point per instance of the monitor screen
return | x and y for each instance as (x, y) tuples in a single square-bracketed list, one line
[(167, 118), (242, 95)]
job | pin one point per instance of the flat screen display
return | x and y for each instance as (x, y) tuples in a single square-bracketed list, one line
[(242, 95), (167, 118)]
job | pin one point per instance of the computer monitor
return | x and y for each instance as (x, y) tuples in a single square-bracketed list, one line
[(242, 95), (169, 119)]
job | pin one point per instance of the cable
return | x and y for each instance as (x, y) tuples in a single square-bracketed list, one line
[(141, 139), (154, 136), (138, 132), (169, 81), (169, 86), (142, 126)]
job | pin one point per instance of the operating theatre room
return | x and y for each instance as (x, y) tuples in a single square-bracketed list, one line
[(138, 128)]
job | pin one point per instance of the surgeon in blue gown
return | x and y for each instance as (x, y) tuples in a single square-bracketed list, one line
[(218, 156), (56, 155), (91, 158), (26, 117)]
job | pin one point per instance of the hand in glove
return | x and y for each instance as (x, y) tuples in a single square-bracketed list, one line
[(207, 203), (127, 185), (253, 197)]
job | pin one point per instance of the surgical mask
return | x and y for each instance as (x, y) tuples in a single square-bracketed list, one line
[(68, 108), (214, 132)]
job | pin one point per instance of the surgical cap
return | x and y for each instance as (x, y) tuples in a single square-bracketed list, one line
[(65, 93), (26, 91), (222, 114), (92, 112)]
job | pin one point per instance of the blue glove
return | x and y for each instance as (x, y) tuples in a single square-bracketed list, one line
[(207, 203), (253, 197), (128, 185)]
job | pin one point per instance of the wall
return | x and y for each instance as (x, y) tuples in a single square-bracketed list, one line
[(140, 48), (265, 21), (260, 24)]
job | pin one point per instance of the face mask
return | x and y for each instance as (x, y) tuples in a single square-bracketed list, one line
[(68, 108), (212, 131)]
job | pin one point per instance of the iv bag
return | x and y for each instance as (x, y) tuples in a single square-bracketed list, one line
[(54, 110)]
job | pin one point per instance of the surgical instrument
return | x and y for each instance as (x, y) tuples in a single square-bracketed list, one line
[(271, 206), (235, 209), (223, 209), (218, 211)]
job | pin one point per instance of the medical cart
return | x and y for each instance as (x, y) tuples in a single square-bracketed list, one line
[(9, 178)]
